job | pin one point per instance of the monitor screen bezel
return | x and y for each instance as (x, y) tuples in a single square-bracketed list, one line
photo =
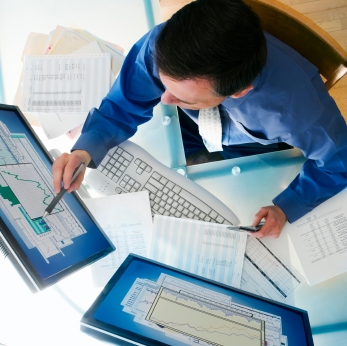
[(117, 332), (16, 251)]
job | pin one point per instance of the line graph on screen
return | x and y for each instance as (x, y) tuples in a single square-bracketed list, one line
[(29, 188)]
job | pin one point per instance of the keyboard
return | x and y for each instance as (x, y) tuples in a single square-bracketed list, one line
[(129, 168)]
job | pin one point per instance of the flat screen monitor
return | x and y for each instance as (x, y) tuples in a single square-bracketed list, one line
[(43, 250), (149, 303)]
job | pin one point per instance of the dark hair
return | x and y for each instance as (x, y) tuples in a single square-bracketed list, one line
[(218, 40)]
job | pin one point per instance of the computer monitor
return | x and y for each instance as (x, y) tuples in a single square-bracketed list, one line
[(43, 250), (149, 303)]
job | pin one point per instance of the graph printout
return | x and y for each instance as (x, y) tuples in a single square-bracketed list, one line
[(320, 239), (196, 315), (65, 83), (61, 239), (202, 248)]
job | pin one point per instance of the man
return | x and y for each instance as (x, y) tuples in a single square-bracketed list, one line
[(213, 55)]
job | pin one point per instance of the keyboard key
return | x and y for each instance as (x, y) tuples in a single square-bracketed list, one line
[(213, 214), (177, 189), (219, 219), (170, 185), (163, 180), (156, 183), (127, 156), (156, 175), (151, 188)]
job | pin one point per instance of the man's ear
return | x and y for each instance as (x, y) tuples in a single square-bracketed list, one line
[(242, 92)]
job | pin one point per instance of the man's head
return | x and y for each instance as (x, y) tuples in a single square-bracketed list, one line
[(219, 41)]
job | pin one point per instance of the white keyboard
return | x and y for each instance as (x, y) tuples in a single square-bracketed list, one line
[(129, 168)]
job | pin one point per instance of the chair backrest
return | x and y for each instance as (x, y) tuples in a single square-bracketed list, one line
[(306, 37)]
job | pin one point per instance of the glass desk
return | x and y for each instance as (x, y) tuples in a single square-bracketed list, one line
[(52, 317)]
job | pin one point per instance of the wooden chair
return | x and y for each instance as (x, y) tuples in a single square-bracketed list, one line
[(294, 29), (306, 37)]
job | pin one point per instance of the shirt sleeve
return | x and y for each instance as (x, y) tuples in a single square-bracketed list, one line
[(324, 174), (129, 103)]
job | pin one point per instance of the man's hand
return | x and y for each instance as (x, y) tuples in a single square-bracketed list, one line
[(275, 220), (64, 167)]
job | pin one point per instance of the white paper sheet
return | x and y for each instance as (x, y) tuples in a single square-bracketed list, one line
[(320, 239), (57, 124), (202, 248), (65, 83), (266, 274), (127, 221)]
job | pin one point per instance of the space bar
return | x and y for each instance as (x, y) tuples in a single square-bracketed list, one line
[(195, 201)]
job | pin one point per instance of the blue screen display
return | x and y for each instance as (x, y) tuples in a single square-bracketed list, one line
[(66, 237), (177, 309)]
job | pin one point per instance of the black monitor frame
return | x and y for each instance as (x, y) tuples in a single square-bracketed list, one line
[(94, 327), (16, 254)]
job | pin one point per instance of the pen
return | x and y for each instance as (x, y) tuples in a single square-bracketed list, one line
[(247, 228), (60, 195)]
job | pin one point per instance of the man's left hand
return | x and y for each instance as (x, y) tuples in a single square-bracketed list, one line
[(275, 220)]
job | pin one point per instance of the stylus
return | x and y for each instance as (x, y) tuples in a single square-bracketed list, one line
[(60, 195)]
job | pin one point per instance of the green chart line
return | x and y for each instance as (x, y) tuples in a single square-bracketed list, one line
[(39, 186)]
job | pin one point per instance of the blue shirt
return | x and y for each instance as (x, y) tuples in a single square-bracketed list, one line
[(289, 103)]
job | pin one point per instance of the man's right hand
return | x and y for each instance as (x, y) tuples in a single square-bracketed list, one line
[(64, 167)]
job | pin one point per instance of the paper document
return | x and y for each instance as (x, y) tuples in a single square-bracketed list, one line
[(202, 248), (265, 273), (127, 221), (57, 124), (320, 239), (65, 83)]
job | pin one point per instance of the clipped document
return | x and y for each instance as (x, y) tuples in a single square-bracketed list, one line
[(203, 248), (65, 83), (320, 239), (127, 221)]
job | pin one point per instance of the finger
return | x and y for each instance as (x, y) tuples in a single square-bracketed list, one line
[(58, 171), (261, 214), (73, 163)]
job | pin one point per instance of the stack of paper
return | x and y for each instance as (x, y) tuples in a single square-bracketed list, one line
[(65, 74)]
